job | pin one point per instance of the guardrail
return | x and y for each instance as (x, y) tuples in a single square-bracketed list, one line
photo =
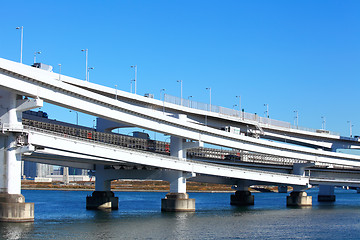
[(235, 113)]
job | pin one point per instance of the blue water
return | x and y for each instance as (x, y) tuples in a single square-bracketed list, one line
[(62, 215)]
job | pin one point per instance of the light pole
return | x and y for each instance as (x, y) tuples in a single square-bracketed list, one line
[(323, 124), (239, 102), (267, 110), (86, 63), (59, 71), (163, 90), (135, 68), (210, 97), (296, 120), (181, 91), (35, 55), (77, 116), (350, 128), (88, 74), (190, 101), (21, 42), (131, 84), (115, 92)]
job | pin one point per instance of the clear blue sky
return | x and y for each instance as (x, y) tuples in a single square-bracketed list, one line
[(291, 55)]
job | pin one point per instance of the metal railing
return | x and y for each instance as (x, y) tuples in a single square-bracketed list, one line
[(235, 113)]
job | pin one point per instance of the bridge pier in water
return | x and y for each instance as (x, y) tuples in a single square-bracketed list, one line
[(177, 200), (102, 197), (242, 196), (13, 207), (326, 193), (298, 197)]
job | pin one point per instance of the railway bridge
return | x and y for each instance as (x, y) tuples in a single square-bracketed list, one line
[(190, 126)]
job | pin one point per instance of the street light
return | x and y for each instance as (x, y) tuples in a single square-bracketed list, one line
[(163, 90), (88, 74), (296, 120), (267, 110), (239, 102), (181, 91), (21, 42), (190, 101), (86, 63), (131, 84), (77, 116), (350, 128), (135, 67), (210, 97), (59, 71), (35, 55), (323, 124), (115, 92)]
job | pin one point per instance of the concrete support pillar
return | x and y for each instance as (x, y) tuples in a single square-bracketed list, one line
[(282, 189), (326, 193), (12, 204), (242, 196), (178, 200), (102, 197), (298, 197)]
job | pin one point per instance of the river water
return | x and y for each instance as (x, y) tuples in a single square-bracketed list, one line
[(62, 215)]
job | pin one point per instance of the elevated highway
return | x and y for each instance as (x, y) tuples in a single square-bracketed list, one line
[(23, 87), (140, 112)]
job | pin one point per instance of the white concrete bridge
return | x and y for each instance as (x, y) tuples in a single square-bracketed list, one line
[(24, 87)]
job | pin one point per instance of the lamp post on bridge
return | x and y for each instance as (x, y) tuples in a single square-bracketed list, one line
[(86, 63), (350, 125), (239, 103), (296, 120), (323, 124), (88, 74), (135, 68), (77, 116), (21, 42), (59, 71), (190, 101), (35, 55), (210, 97), (181, 92), (163, 90), (267, 110)]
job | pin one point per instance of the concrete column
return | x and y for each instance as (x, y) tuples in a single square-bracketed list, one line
[(326, 193), (298, 197), (242, 196), (102, 197), (177, 200), (12, 204), (282, 189)]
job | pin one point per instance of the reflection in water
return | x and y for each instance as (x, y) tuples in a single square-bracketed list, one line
[(181, 224), (62, 215), (15, 230)]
